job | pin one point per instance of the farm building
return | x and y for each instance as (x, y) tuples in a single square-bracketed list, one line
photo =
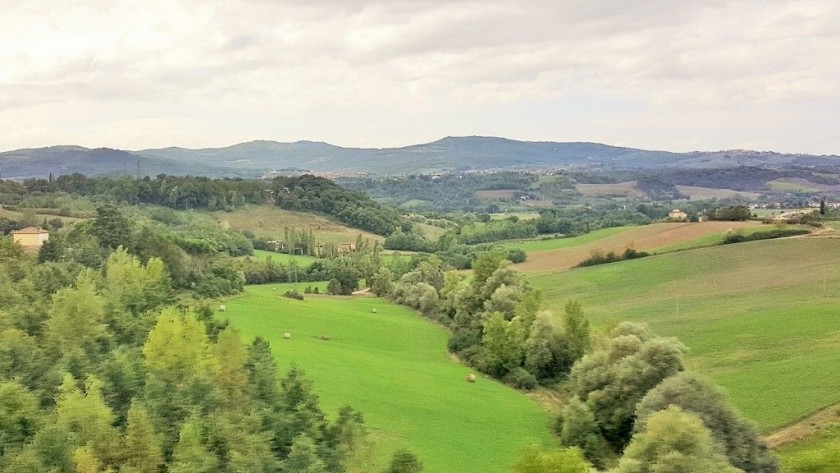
[(31, 238), (677, 215)]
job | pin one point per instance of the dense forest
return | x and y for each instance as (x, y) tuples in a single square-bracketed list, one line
[(109, 368)]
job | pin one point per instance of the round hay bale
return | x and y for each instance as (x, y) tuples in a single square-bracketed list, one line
[(287, 335), (374, 310), (222, 308), (470, 378)]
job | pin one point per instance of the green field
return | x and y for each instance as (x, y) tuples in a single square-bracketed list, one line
[(282, 258), (394, 367), (819, 453), (269, 221), (760, 318), (796, 186), (559, 243)]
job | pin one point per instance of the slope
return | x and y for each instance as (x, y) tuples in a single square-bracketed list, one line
[(393, 366), (759, 318)]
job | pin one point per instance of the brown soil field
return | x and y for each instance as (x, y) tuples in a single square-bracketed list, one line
[(701, 193), (627, 189), (496, 194), (642, 238), (805, 427)]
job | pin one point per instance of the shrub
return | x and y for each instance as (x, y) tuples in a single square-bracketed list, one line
[(521, 379), (293, 294)]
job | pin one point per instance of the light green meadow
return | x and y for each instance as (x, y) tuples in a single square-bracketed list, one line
[(760, 318), (393, 366)]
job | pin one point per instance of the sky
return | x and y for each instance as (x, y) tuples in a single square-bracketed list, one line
[(657, 74)]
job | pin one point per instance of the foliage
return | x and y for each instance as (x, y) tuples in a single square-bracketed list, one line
[(741, 443), (673, 441), (99, 373), (738, 237), (597, 257), (730, 213), (612, 380)]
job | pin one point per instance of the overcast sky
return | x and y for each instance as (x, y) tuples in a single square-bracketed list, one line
[(668, 74)]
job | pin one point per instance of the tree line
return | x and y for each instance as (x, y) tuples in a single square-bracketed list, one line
[(104, 370), (304, 193)]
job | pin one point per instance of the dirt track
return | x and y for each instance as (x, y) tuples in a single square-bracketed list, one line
[(805, 427), (643, 238)]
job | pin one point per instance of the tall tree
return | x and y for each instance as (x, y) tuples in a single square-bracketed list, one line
[(142, 447), (741, 443), (111, 227), (190, 455), (674, 441)]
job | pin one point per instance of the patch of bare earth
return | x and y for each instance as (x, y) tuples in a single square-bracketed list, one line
[(642, 238), (805, 427)]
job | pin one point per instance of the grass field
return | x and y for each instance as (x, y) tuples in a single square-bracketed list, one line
[(13, 215), (519, 215), (269, 221), (705, 193), (793, 184), (760, 318), (394, 367), (565, 253), (819, 453), (282, 258)]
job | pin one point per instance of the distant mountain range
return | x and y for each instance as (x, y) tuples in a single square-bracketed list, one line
[(451, 154)]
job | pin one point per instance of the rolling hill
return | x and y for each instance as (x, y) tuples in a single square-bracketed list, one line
[(259, 158), (759, 318)]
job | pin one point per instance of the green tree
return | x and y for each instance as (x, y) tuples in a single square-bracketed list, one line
[(576, 329), (76, 327), (611, 381), (231, 376), (19, 416), (180, 371), (674, 441), (142, 446), (190, 455), (504, 341), (741, 443), (579, 429), (111, 227), (404, 461), (85, 415), (303, 457)]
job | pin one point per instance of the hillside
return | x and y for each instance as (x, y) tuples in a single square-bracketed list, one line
[(259, 158), (564, 253), (393, 366), (60, 160), (271, 222), (759, 318)]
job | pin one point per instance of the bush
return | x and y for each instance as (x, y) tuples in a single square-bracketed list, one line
[(738, 237), (599, 257), (521, 379), (293, 294)]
